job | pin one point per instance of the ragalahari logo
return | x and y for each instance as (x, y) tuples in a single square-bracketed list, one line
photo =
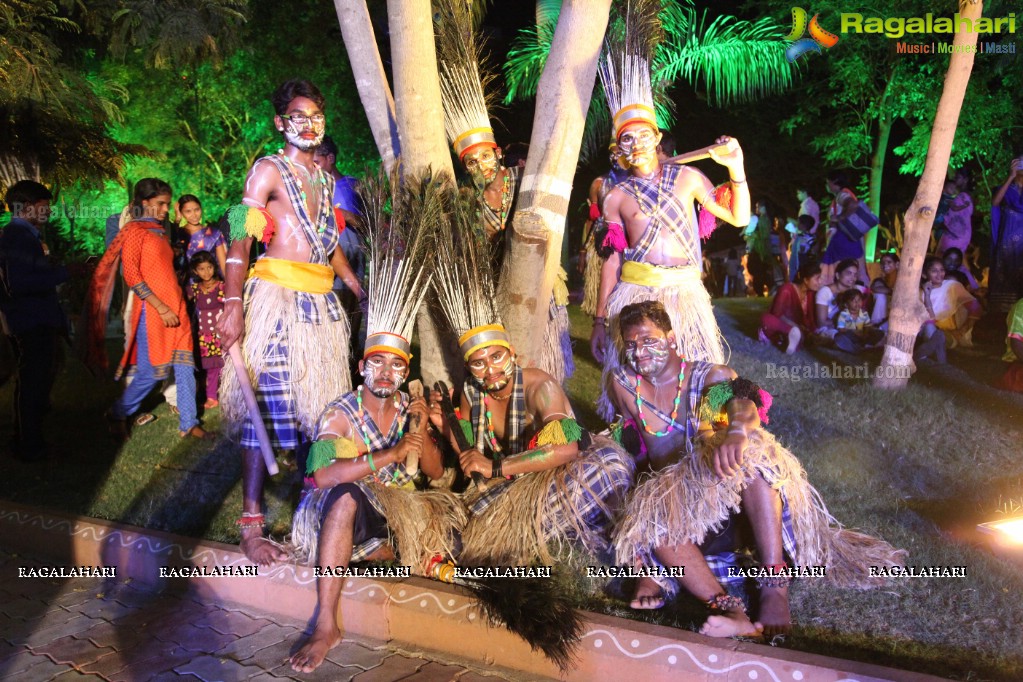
[(818, 36)]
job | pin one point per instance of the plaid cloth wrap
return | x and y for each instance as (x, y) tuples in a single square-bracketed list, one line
[(690, 424), (668, 214), (321, 235), (394, 474), (590, 484), (275, 400)]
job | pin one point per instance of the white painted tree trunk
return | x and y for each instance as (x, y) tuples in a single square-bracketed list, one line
[(424, 147), (370, 78), (534, 248), (908, 312)]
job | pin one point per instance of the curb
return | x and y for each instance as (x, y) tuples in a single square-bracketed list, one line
[(432, 615)]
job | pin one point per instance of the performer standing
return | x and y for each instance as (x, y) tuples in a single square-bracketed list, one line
[(595, 250), (467, 124), (651, 217), (547, 478), (709, 456), (293, 330), (363, 486)]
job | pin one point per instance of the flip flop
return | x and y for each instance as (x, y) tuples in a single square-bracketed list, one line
[(145, 418)]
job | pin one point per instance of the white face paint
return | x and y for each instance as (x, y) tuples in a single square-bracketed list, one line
[(384, 373), (306, 134)]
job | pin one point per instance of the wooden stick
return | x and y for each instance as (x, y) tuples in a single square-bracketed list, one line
[(416, 425), (235, 352), (704, 152)]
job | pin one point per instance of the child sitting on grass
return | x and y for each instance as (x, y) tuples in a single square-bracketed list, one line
[(208, 294), (855, 332)]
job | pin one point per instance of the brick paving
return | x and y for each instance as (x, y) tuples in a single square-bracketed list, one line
[(105, 629)]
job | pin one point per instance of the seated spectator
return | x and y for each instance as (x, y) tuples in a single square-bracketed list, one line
[(1012, 380), (949, 304), (854, 331), (882, 289), (826, 308), (956, 269), (791, 317)]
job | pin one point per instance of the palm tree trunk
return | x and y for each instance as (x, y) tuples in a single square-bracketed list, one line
[(424, 147), (370, 79), (534, 248), (907, 311)]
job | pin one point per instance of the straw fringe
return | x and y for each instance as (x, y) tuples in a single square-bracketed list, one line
[(420, 524), (521, 525), (317, 354), (591, 280), (685, 501), (555, 358), (692, 319)]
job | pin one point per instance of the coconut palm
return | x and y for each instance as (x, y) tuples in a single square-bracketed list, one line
[(731, 60)]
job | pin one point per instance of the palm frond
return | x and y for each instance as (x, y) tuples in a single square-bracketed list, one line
[(733, 59), (527, 59)]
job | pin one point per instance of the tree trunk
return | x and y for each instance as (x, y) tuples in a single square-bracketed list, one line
[(907, 310), (424, 147), (534, 247), (370, 79)]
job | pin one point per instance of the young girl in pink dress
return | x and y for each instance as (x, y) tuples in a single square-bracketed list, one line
[(208, 293)]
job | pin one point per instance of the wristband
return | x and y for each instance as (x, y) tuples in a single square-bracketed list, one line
[(369, 458), (234, 261), (233, 298), (737, 182)]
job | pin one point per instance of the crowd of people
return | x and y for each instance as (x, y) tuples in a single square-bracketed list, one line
[(687, 449)]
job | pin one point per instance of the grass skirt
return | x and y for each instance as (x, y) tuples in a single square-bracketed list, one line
[(685, 501), (556, 355), (591, 280), (317, 355), (420, 524), (571, 502), (692, 319)]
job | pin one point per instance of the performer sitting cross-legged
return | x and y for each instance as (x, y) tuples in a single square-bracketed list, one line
[(546, 477), (361, 465), (700, 436)]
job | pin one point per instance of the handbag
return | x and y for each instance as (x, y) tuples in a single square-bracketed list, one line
[(858, 223)]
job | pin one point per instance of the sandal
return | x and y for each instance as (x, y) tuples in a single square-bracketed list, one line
[(145, 418)]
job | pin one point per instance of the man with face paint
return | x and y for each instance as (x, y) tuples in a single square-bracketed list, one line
[(652, 224), (293, 330), (697, 426), (357, 468), (471, 135)]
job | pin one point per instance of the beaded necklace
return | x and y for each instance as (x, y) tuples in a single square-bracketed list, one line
[(674, 411), (301, 191), (505, 200), (490, 426)]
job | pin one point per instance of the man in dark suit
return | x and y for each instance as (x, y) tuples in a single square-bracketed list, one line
[(34, 316)]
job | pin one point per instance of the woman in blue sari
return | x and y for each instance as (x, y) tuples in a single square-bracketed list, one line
[(1007, 265)]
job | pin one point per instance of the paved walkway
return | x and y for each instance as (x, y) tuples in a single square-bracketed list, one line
[(114, 629)]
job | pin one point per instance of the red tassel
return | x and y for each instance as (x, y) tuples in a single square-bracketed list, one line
[(339, 219), (594, 211), (271, 226), (615, 238)]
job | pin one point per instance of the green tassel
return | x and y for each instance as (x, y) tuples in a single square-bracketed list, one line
[(616, 430), (470, 434), (573, 432), (236, 216), (321, 454), (718, 395)]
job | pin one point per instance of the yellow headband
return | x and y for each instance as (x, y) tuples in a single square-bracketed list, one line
[(465, 142), (632, 113), (481, 337), (386, 342)]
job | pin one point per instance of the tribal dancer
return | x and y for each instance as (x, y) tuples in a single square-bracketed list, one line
[(594, 251), (361, 463), (295, 339), (547, 478), (651, 219), (708, 457), (468, 128)]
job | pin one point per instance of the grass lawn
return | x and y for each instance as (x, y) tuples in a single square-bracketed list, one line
[(912, 467)]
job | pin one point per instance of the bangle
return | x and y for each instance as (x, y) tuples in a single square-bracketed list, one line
[(234, 261), (369, 458), (233, 298), (736, 182)]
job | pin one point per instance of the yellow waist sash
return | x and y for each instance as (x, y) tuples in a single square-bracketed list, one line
[(307, 277), (647, 275)]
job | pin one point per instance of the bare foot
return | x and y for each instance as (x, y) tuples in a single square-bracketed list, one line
[(311, 655), (734, 623), (259, 550), (649, 595), (774, 617)]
